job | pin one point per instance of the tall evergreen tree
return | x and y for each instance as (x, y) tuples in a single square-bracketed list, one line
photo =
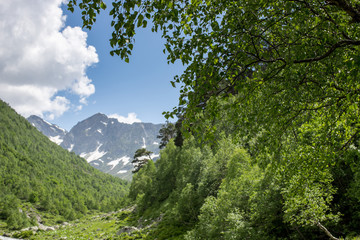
[(167, 132), (141, 157)]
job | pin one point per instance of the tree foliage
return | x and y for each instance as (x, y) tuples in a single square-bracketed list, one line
[(288, 58), (278, 78), (167, 132), (141, 157)]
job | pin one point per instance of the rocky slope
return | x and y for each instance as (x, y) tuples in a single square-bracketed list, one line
[(106, 143), (52, 131)]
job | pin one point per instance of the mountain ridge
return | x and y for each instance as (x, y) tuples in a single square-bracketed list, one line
[(106, 143), (54, 132)]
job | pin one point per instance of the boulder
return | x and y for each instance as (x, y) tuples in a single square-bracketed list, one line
[(127, 229)]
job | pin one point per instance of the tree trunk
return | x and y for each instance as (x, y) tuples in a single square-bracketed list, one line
[(326, 231)]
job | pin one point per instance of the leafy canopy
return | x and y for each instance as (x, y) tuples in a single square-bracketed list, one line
[(283, 74), (289, 58)]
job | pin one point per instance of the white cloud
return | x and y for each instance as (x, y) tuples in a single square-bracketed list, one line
[(83, 100), (79, 107), (35, 100), (130, 119), (39, 58)]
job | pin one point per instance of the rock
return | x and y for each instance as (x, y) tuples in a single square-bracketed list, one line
[(34, 228), (42, 227), (50, 229), (38, 218), (127, 229), (46, 228)]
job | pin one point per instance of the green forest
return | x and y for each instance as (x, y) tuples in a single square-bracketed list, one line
[(266, 141), (38, 177)]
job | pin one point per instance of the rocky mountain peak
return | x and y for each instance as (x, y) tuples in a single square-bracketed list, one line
[(108, 144), (54, 132)]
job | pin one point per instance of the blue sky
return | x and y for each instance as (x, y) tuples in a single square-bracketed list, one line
[(141, 87)]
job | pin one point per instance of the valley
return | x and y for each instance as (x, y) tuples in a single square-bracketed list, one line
[(41, 180), (266, 143)]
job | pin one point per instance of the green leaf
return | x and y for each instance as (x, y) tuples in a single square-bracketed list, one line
[(103, 5), (131, 46), (140, 20)]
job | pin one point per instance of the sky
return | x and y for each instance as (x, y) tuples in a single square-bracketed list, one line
[(52, 68)]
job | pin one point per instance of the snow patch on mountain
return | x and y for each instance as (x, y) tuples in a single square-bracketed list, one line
[(113, 163), (60, 128), (155, 143), (143, 127), (100, 131), (47, 122), (144, 143), (92, 156), (125, 160), (122, 171), (71, 147), (56, 139)]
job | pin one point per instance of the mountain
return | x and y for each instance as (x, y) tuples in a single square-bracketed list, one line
[(38, 176), (54, 132), (107, 144)]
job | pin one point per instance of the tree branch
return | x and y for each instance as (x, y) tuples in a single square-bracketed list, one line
[(349, 141), (339, 44), (344, 5), (326, 231)]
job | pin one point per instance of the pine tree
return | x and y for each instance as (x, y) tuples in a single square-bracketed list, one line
[(141, 157)]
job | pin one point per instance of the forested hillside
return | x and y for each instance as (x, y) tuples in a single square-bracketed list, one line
[(230, 190), (269, 109), (37, 175)]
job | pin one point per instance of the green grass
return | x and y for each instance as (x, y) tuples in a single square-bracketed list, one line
[(85, 228), (107, 227)]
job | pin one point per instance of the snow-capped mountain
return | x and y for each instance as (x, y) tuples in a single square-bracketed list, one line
[(109, 145), (52, 131)]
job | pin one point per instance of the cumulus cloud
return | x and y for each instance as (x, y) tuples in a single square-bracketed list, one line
[(43, 98), (39, 57), (130, 119)]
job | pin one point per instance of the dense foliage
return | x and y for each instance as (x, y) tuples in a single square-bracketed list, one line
[(38, 175), (278, 81), (223, 192)]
